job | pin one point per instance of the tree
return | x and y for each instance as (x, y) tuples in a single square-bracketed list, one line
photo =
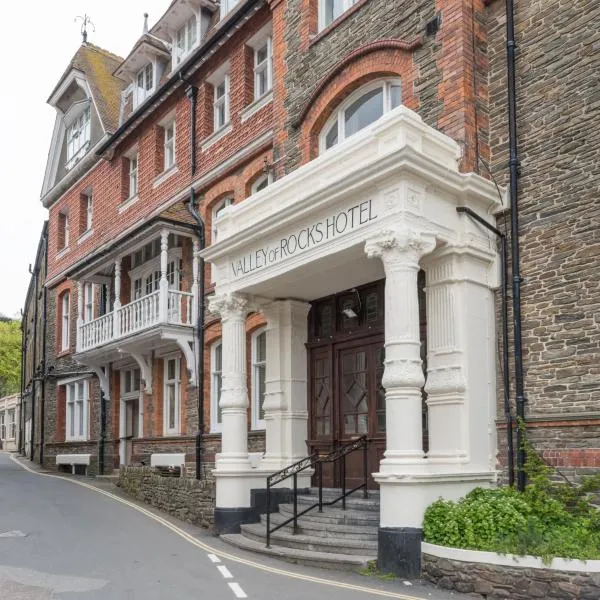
[(10, 357)]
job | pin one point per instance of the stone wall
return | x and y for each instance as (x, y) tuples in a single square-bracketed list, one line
[(187, 499), (559, 149), (494, 582)]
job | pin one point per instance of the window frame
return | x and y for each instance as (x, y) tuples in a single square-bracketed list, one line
[(226, 6), (11, 424), (323, 24), (77, 414), (221, 100), (180, 54), (89, 211), (133, 176), (63, 224), (169, 145), (88, 302), (133, 392), (80, 129), (141, 97), (338, 115), (265, 65), (266, 177), (216, 426), (256, 365), (65, 320), (217, 208), (3, 425), (174, 383)]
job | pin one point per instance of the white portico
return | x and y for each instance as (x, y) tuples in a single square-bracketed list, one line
[(381, 205)]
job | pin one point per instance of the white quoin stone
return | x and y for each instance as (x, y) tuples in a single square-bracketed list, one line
[(285, 406), (400, 251)]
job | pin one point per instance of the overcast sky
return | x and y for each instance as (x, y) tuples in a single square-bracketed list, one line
[(36, 46)]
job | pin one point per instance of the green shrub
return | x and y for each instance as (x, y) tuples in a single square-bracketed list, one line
[(548, 519)]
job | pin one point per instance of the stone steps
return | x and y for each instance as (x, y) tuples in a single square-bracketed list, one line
[(323, 560), (334, 515), (318, 528), (337, 545)]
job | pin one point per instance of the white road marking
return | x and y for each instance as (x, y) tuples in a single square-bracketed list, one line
[(214, 558), (237, 590), (13, 534), (232, 557), (225, 571)]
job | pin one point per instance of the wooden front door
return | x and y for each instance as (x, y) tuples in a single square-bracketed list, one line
[(347, 400)]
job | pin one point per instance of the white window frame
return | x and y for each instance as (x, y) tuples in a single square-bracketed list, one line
[(176, 385), (142, 92), (3, 425), (227, 7), (221, 101), (347, 5), (65, 225), (133, 175), (78, 137), (169, 145), (11, 424), (184, 33), (133, 392), (88, 302), (267, 179), (264, 66), (215, 215), (338, 115), (89, 211), (65, 337), (257, 423), (77, 409), (216, 375)]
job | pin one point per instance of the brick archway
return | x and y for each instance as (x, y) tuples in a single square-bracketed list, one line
[(379, 59)]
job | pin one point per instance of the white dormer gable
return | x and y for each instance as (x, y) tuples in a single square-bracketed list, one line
[(76, 115), (184, 26)]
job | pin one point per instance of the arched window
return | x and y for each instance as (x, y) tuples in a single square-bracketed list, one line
[(360, 109), (216, 213)]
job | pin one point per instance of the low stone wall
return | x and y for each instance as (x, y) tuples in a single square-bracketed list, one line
[(499, 577), (186, 498)]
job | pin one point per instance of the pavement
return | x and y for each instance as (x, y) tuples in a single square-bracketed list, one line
[(64, 537)]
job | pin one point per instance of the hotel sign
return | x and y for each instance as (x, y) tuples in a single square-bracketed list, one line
[(307, 237)]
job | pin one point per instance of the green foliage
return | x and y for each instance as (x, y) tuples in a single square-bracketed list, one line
[(548, 519), (10, 357)]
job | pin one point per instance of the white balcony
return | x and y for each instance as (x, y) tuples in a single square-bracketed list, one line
[(138, 316)]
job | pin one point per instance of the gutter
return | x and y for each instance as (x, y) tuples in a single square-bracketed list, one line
[(199, 57)]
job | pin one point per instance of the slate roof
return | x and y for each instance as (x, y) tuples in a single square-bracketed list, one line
[(99, 66)]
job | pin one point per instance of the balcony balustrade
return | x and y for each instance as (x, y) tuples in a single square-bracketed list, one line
[(137, 316)]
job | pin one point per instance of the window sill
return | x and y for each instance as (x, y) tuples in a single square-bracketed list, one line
[(215, 137), (62, 353), (130, 201), (326, 30), (259, 103), (84, 236), (164, 176), (74, 440), (64, 251)]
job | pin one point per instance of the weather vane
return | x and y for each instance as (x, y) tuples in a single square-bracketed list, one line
[(85, 21)]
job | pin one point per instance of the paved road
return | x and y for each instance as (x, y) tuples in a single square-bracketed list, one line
[(60, 540)]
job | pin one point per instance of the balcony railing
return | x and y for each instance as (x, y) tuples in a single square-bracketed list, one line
[(139, 315)]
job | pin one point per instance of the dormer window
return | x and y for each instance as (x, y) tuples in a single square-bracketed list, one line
[(78, 138), (186, 39), (144, 83)]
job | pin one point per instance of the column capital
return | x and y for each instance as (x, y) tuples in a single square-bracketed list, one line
[(230, 306), (401, 245)]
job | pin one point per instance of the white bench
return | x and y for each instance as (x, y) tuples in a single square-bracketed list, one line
[(73, 460), (175, 460)]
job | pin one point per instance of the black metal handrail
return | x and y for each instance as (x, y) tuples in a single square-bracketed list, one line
[(339, 454)]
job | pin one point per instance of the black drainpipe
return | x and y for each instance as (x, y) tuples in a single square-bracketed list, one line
[(514, 169), (35, 273), (23, 361), (43, 363), (191, 92), (505, 375), (191, 205)]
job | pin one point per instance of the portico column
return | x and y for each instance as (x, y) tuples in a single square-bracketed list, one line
[(79, 313), (164, 284), (400, 251), (117, 304), (285, 406)]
